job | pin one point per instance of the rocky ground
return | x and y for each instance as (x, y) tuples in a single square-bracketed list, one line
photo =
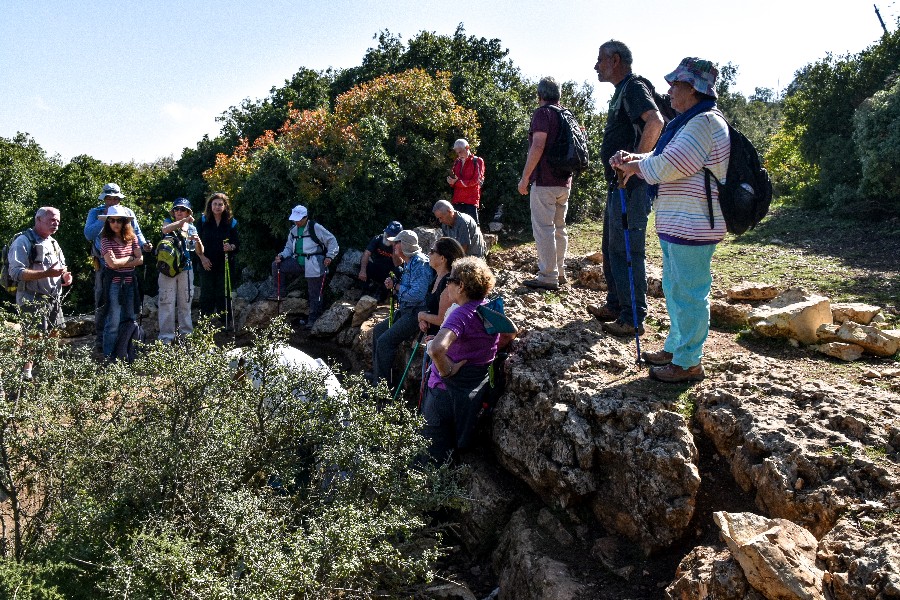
[(776, 477)]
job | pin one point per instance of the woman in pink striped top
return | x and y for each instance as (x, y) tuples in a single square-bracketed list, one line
[(121, 252), (695, 140)]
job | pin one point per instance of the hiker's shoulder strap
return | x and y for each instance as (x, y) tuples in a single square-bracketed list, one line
[(311, 232)]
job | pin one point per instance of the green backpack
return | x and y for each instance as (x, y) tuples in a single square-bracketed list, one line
[(171, 254)]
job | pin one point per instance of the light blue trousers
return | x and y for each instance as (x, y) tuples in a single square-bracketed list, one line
[(686, 282)]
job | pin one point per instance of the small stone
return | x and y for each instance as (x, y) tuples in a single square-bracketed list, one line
[(751, 291), (798, 485)]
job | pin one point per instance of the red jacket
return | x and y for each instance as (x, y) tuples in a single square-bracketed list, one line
[(470, 173)]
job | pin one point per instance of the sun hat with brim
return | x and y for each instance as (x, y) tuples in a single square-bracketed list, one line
[(298, 213), (701, 74), (116, 211), (182, 203), (409, 242), (111, 189)]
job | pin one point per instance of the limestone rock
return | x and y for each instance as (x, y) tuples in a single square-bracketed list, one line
[(493, 499), (854, 311), (828, 332), (841, 350), (752, 292), (794, 314), (576, 441), (363, 310), (427, 237), (341, 283), (873, 340), (710, 573), (524, 569), (654, 281), (777, 556), (448, 591), (260, 314), (349, 263), (862, 564), (595, 259), (333, 319), (800, 445), (725, 314), (591, 277), (248, 292), (77, 326)]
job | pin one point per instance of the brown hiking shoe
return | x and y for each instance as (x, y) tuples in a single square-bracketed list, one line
[(603, 313), (657, 358), (621, 329), (672, 373)]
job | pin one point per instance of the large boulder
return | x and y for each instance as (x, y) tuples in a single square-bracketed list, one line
[(349, 263), (333, 319), (708, 573), (364, 309), (803, 446), (871, 339), (751, 292), (854, 311), (794, 314), (260, 314), (840, 350), (726, 314), (493, 497), (525, 570), (777, 556), (578, 441), (861, 556)]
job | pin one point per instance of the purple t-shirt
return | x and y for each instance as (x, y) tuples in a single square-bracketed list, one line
[(545, 119), (472, 341)]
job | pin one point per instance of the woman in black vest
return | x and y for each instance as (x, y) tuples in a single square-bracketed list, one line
[(219, 234)]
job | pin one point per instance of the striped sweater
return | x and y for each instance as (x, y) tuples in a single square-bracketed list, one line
[(682, 211)]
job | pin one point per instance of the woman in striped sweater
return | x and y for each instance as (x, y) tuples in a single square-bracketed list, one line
[(697, 139)]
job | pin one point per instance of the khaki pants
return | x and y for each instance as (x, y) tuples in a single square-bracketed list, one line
[(548, 224)]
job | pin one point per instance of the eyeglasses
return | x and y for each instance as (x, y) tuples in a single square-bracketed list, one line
[(117, 220), (455, 280)]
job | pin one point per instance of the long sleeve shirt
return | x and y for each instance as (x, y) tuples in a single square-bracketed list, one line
[(93, 226), (682, 209), (414, 283), (46, 253), (312, 250)]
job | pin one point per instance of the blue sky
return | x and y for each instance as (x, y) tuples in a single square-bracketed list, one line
[(129, 80)]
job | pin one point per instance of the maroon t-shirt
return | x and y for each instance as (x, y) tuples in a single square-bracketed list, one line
[(545, 119)]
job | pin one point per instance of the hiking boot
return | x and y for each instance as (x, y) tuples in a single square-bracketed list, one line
[(672, 373), (603, 313), (537, 283), (620, 328), (657, 358)]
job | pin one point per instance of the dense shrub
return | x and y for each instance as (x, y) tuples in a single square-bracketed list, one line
[(187, 478), (876, 133)]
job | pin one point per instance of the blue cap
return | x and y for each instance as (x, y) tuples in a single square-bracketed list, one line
[(184, 202), (393, 229)]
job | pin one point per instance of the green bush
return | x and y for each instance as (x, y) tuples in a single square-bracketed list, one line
[(188, 478), (876, 133)]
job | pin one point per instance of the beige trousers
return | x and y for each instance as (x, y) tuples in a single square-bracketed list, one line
[(548, 224)]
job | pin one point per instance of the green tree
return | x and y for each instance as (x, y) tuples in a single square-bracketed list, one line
[(24, 173), (876, 133)]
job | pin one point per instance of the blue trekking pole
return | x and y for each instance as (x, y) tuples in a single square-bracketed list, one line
[(637, 334)]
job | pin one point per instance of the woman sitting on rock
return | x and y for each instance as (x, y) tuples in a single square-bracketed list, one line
[(462, 352), (692, 143), (445, 251)]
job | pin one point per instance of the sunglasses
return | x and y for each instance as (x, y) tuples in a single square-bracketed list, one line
[(117, 220), (180, 209), (455, 280)]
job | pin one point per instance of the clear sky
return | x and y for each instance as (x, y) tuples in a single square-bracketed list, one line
[(125, 80)]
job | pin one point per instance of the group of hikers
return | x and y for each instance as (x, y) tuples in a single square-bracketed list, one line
[(649, 161)]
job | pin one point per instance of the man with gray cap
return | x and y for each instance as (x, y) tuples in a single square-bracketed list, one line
[(93, 225), (466, 179), (461, 227), (410, 293), (309, 249), (378, 262)]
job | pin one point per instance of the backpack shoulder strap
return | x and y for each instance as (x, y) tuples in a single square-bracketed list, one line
[(311, 229)]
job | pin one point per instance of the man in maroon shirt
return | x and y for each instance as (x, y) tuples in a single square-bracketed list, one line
[(549, 197), (466, 179)]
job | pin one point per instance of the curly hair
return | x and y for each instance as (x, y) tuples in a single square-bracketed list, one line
[(226, 214), (475, 277)]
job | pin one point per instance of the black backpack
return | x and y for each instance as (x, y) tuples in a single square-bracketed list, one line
[(6, 281), (568, 154), (747, 193), (129, 341), (662, 101)]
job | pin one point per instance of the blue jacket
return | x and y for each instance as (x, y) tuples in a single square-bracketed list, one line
[(93, 226), (414, 282)]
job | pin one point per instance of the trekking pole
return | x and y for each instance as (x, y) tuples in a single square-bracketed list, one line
[(637, 335), (391, 314), (426, 362), (278, 286), (408, 363), (228, 299)]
